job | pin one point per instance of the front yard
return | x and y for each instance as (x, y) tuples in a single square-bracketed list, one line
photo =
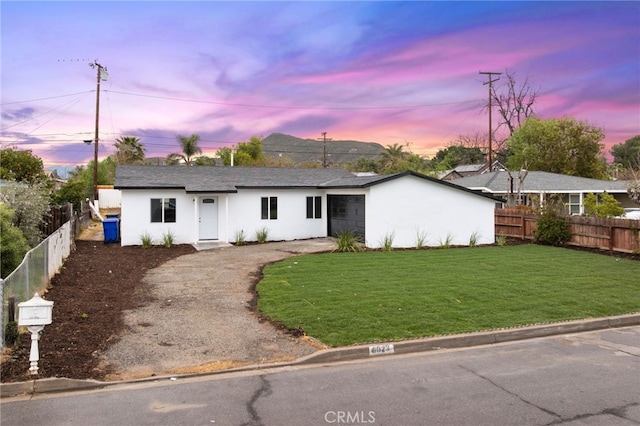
[(348, 298)]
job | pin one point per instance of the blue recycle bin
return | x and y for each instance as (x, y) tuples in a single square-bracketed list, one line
[(110, 228)]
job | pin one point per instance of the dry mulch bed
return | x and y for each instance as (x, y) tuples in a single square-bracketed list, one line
[(96, 283)]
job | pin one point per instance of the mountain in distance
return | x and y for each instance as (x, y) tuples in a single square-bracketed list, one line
[(311, 150)]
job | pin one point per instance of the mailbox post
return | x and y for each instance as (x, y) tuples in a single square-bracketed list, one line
[(35, 313)]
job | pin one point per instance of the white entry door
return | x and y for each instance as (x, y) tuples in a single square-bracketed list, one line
[(208, 218)]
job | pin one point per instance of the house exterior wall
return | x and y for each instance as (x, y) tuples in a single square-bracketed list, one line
[(135, 217), (236, 212), (400, 207), (245, 215), (409, 205)]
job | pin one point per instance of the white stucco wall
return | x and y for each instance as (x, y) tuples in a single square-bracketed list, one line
[(401, 207), (236, 212), (405, 206), (135, 217), (291, 224)]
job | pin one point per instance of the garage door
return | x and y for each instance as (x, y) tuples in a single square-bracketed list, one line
[(346, 213)]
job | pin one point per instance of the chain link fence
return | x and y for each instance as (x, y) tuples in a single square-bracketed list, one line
[(39, 265)]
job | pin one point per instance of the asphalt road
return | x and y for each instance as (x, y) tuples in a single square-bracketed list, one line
[(590, 378)]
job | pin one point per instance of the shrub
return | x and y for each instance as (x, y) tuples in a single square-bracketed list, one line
[(262, 234), (604, 206), (421, 239), (240, 237), (387, 242), (473, 239), (348, 241), (552, 229), (146, 240), (446, 242), (501, 240), (168, 238), (13, 244), (11, 333)]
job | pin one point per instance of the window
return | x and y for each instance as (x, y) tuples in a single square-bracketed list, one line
[(314, 207), (163, 210), (574, 203), (270, 208)]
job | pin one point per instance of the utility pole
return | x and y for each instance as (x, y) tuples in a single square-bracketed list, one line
[(101, 75), (490, 82), (324, 139)]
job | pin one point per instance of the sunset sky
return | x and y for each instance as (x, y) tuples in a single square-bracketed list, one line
[(386, 72)]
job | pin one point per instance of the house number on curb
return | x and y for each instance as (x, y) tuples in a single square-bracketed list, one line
[(381, 349), (35, 313)]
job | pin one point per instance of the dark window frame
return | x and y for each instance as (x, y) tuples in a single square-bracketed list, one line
[(314, 207), (269, 208), (163, 210)]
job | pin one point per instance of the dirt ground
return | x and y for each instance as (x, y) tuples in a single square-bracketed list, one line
[(130, 312), (95, 285)]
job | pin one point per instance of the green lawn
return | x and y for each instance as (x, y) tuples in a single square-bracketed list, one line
[(347, 298)]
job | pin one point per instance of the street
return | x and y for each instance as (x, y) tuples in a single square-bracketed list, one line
[(579, 379)]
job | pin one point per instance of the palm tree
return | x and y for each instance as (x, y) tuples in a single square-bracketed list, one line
[(190, 148), (391, 156), (129, 150)]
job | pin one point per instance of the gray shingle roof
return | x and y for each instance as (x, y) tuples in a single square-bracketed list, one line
[(222, 179), (498, 182), (207, 179)]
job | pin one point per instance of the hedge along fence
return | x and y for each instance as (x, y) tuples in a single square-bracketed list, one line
[(621, 235)]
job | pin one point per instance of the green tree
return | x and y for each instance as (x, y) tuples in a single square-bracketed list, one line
[(247, 153), (203, 160), (21, 166), (224, 154), (392, 155), (454, 155), (565, 146), (29, 204), (129, 150), (363, 164), (190, 149), (13, 245), (72, 191), (605, 205), (627, 154), (394, 159)]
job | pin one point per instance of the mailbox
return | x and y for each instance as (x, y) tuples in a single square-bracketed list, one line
[(35, 311)]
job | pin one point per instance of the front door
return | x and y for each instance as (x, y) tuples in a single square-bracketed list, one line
[(208, 218)]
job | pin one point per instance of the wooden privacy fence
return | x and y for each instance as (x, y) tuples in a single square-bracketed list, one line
[(622, 235)]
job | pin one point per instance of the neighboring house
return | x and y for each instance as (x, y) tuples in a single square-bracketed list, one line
[(540, 185), (464, 170), (197, 204)]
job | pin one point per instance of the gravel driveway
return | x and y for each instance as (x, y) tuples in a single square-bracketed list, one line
[(199, 319)]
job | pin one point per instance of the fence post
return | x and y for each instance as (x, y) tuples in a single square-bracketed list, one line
[(2, 313), (611, 245)]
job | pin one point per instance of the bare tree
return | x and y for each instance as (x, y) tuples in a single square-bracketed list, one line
[(633, 186), (472, 140), (515, 102)]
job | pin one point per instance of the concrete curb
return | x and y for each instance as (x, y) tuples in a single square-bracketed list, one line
[(350, 353)]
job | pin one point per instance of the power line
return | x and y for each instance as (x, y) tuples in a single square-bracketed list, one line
[(291, 106), (46, 99)]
